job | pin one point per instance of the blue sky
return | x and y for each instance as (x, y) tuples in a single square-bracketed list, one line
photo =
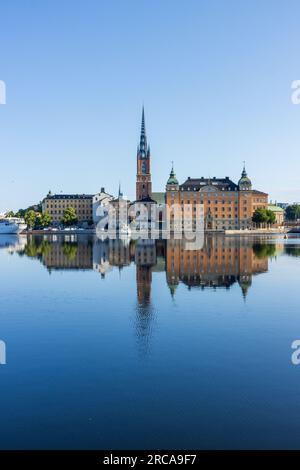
[(215, 78)]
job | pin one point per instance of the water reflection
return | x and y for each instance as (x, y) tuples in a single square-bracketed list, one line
[(222, 261)]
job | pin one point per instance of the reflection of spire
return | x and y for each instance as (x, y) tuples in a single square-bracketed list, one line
[(144, 312), (145, 258), (173, 288), (120, 194), (245, 282), (144, 326)]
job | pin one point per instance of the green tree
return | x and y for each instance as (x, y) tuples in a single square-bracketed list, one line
[(271, 217), (10, 214), (21, 213), (260, 216), (69, 217), (292, 212), (45, 220), (30, 218)]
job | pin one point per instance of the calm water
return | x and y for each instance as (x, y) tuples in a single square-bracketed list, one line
[(140, 345)]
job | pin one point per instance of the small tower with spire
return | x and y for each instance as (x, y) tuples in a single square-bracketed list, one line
[(172, 183), (143, 174), (245, 182)]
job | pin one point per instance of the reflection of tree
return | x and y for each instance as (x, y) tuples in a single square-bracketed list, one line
[(264, 250), (292, 250), (70, 250), (36, 248)]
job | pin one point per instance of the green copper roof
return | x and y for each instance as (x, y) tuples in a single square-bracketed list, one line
[(159, 198), (274, 208), (172, 178), (244, 178)]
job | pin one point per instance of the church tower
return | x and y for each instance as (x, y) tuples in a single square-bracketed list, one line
[(143, 174)]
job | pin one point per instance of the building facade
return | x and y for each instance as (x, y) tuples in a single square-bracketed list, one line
[(278, 212), (100, 205), (56, 205), (226, 205)]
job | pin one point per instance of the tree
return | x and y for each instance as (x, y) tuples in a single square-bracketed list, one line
[(264, 216), (260, 216), (10, 214), (30, 218), (271, 217), (69, 217), (292, 212), (45, 220), (21, 213)]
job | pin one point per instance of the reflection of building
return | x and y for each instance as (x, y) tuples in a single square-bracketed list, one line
[(221, 263), (68, 255), (226, 205), (101, 257), (119, 253), (145, 259)]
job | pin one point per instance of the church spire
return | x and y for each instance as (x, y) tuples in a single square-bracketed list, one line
[(143, 174), (143, 147)]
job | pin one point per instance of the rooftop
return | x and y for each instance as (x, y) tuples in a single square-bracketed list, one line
[(223, 184), (69, 196), (159, 197), (274, 208)]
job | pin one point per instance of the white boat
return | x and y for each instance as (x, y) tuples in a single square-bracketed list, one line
[(12, 225)]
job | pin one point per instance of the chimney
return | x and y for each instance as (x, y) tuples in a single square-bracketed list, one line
[(102, 190)]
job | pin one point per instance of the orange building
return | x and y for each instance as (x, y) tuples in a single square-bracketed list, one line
[(226, 205)]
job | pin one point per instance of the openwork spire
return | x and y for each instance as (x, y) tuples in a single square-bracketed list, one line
[(143, 148)]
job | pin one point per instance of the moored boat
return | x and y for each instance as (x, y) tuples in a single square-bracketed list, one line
[(12, 225)]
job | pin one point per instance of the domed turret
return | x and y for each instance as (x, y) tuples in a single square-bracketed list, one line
[(244, 182), (172, 178)]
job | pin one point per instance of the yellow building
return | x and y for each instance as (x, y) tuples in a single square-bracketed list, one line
[(56, 205), (278, 212)]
